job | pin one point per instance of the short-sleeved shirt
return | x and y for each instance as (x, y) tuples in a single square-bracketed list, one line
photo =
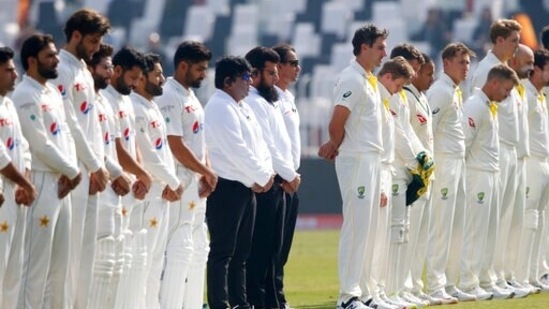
[(123, 109), (363, 127)]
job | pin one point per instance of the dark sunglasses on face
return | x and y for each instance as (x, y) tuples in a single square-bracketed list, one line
[(293, 63)]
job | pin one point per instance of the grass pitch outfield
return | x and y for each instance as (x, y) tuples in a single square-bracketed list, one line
[(311, 277)]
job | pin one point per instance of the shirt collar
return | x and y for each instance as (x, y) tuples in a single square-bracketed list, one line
[(177, 85), (448, 80), (482, 95), (64, 54), (141, 99)]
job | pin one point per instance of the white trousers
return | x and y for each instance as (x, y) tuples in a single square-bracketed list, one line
[(444, 241), (537, 197), (481, 224), (359, 182), (512, 262), (12, 233), (377, 281), (508, 165), (46, 252)]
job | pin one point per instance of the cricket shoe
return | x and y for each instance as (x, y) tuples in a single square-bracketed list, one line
[(539, 285), (444, 297), (498, 292), (409, 297), (401, 303), (460, 295), (519, 292), (544, 279), (479, 293), (379, 303), (428, 298), (353, 303)]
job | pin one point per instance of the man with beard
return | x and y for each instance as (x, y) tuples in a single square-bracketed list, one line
[(84, 31), (288, 71), (128, 275), (151, 140), (54, 170), (269, 220), (241, 158), (512, 211), (188, 245), (15, 165), (107, 252), (537, 169)]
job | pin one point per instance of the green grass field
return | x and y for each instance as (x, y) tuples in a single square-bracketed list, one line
[(311, 277)]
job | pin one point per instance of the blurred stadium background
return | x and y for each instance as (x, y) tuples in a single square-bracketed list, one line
[(320, 30)]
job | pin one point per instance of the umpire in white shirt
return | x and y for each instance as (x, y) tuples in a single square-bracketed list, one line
[(241, 159)]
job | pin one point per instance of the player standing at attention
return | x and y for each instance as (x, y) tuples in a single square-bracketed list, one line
[(54, 170), (151, 140), (188, 244), (17, 190), (108, 251), (448, 197), (356, 145), (537, 169), (480, 125), (84, 31)]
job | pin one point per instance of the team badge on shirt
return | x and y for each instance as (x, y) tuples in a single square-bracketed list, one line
[(480, 197), (360, 192)]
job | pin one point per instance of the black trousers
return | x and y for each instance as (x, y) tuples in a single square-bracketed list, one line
[(266, 247), (230, 213), (290, 218)]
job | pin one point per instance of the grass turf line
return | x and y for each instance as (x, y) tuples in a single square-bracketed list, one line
[(311, 277)]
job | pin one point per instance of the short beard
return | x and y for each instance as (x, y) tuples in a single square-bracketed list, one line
[(154, 90), (121, 86), (269, 93), (47, 73), (81, 52), (100, 82)]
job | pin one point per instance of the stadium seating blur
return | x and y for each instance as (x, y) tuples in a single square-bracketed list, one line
[(320, 30)]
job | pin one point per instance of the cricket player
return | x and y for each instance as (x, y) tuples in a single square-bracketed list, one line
[(54, 173), (505, 36), (108, 250), (537, 169), (480, 125), (448, 197), (151, 140), (394, 74), (188, 245), (420, 211), (512, 213), (84, 31), (17, 189), (408, 149), (129, 271), (356, 145)]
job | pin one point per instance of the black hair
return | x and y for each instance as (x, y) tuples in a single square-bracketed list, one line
[(127, 58), (367, 34), (283, 50), (192, 52), (86, 21), (32, 46), (150, 60), (408, 51), (230, 66), (258, 56), (6, 54), (105, 50)]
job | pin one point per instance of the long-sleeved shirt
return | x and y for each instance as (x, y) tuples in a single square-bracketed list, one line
[(109, 130), (184, 117), (446, 106), (77, 89), (274, 133), (152, 141), (357, 90), (420, 116), (480, 125), (538, 121), (387, 127), (42, 117), (480, 75), (235, 142), (123, 109), (520, 97), (290, 114), (407, 144)]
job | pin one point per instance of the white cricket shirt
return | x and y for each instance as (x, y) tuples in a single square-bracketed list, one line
[(520, 97), (42, 118), (539, 122), (420, 116), (387, 127), (123, 109), (14, 145), (109, 131), (480, 126)]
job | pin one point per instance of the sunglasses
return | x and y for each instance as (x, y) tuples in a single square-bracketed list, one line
[(293, 63)]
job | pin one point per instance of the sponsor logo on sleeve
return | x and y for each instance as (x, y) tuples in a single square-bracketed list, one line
[(126, 134), (54, 128), (196, 127), (158, 144), (472, 123), (62, 90), (436, 110), (347, 94), (10, 143), (85, 108)]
